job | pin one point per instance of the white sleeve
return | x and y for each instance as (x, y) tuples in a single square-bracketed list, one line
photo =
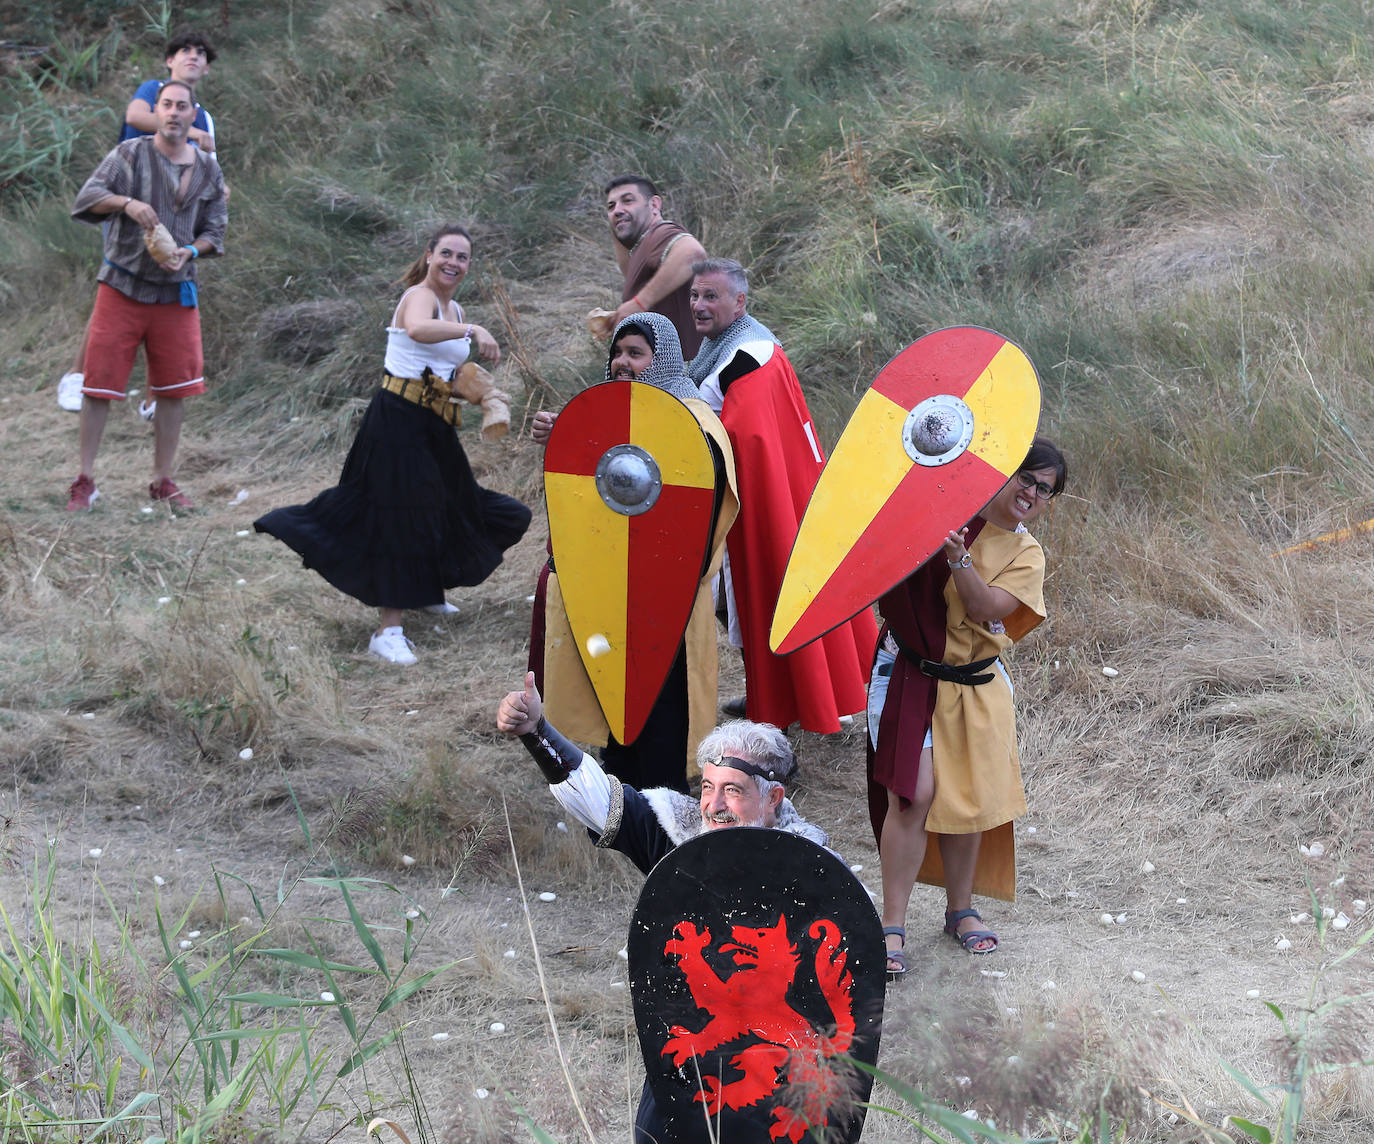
[(586, 794), (711, 394)]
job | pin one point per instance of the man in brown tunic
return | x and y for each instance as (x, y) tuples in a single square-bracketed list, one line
[(655, 256)]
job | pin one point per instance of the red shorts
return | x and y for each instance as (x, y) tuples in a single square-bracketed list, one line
[(169, 334)]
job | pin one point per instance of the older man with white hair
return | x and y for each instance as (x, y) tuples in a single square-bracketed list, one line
[(743, 768), (746, 378)]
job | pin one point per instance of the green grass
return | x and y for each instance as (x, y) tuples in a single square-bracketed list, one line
[(171, 1037)]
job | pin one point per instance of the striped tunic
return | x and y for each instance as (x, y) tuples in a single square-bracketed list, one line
[(138, 169)]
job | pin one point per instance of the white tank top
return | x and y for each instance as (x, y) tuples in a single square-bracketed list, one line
[(406, 357)]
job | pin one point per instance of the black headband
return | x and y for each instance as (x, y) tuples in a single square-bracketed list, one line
[(774, 773)]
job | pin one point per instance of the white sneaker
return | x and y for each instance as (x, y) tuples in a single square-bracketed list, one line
[(391, 645), (444, 609), (69, 391), (147, 409)]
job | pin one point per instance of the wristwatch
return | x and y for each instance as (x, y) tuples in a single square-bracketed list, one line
[(965, 561)]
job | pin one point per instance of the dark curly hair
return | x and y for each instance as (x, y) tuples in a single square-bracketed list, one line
[(187, 37)]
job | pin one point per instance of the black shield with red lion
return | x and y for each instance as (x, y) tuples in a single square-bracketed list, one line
[(757, 969)]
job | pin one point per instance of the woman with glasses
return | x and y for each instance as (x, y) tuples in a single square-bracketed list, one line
[(942, 755)]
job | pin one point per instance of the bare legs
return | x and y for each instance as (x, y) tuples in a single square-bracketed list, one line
[(959, 853), (903, 849), (390, 617), (95, 411), (166, 435)]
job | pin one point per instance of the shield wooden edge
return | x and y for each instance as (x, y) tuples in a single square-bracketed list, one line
[(629, 484), (943, 426), (757, 972)]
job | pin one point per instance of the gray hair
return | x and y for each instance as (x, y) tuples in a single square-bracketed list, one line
[(731, 270), (760, 743)]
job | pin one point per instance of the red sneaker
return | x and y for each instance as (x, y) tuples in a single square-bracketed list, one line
[(166, 490), (82, 494)]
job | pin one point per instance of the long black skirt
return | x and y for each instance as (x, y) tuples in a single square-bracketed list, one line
[(407, 518)]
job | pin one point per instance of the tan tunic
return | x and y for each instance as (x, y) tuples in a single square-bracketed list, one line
[(570, 703), (976, 766)]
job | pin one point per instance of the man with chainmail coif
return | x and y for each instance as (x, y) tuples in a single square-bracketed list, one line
[(746, 378), (643, 348)]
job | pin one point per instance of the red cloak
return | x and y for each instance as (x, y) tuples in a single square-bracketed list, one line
[(778, 461)]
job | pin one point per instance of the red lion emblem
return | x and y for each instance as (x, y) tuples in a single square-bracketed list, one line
[(751, 1003)]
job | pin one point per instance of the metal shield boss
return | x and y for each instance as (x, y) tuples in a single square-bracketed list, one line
[(630, 485), (757, 971), (945, 424)]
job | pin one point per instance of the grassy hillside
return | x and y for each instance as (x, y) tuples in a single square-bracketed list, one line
[(1165, 203)]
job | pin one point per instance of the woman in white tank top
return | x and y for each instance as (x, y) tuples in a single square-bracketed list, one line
[(428, 327), (407, 519)]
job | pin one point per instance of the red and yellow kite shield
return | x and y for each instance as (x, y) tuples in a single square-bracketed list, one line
[(943, 427), (630, 486)]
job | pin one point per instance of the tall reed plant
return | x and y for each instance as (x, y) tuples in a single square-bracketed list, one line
[(173, 1040)]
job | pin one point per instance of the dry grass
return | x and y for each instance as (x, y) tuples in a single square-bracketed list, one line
[(1206, 365), (1237, 729)]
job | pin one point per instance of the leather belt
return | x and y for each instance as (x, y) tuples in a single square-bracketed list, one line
[(428, 390), (969, 674)]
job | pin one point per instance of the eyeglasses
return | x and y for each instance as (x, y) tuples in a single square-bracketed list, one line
[(1042, 490)]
